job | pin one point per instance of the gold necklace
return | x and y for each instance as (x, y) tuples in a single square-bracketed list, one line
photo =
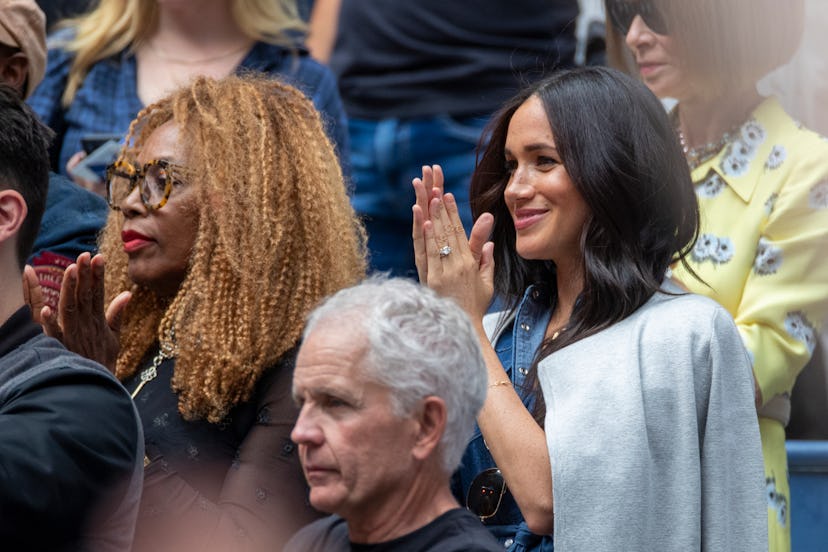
[(166, 349), (697, 155)]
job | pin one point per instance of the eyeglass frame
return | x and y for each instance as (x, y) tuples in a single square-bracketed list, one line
[(649, 12), (475, 483), (136, 175)]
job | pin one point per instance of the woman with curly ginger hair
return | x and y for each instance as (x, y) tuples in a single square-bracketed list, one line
[(230, 222)]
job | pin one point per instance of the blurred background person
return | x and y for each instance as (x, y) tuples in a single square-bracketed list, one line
[(419, 81), (614, 396), (761, 182), (802, 88), (125, 54), (70, 438), (230, 222), (389, 379), (73, 216), (57, 10)]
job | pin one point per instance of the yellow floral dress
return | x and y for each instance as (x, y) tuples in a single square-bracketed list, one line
[(763, 253)]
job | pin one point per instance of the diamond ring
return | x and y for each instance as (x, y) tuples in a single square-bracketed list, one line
[(445, 251)]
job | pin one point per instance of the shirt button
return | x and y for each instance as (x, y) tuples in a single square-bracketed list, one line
[(508, 542), (535, 294), (523, 371), (525, 327)]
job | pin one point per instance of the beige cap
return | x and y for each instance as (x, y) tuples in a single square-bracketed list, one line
[(23, 25)]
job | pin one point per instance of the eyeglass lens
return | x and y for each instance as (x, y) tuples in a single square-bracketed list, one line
[(485, 493), (152, 186), (622, 13)]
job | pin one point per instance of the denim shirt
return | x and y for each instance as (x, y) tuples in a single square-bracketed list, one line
[(516, 347), (71, 221), (107, 101)]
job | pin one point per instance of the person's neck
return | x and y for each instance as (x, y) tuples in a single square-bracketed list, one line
[(570, 284), (11, 296), (705, 120), (400, 514), (197, 30)]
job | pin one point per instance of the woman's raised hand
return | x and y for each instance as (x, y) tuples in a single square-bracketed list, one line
[(80, 321), (446, 260), (425, 189)]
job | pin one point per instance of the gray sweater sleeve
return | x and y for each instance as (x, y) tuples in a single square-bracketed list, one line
[(652, 434)]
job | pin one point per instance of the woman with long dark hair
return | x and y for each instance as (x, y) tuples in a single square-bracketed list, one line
[(583, 202)]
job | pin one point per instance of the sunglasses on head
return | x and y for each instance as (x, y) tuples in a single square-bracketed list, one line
[(485, 493), (622, 12)]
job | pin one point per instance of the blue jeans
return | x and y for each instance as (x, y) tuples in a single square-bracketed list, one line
[(385, 156)]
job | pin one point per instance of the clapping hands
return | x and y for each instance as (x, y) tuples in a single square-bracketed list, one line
[(80, 321), (447, 261)]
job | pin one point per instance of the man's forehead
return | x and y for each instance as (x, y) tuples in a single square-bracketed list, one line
[(332, 351)]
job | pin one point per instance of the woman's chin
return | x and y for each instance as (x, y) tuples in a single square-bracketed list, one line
[(161, 284)]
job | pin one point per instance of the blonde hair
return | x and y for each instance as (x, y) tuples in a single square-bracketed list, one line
[(115, 25), (276, 234), (723, 42)]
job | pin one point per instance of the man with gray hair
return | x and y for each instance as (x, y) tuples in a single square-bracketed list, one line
[(389, 379)]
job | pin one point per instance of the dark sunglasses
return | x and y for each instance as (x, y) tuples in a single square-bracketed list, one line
[(622, 12), (485, 493)]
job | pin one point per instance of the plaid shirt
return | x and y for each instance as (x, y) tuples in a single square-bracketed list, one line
[(107, 101)]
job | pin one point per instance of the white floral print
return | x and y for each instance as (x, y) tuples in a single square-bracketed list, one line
[(777, 501), (818, 196), (705, 246), (734, 164), (724, 250), (768, 258), (770, 203), (753, 133), (713, 248), (798, 327), (776, 158), (711, 186), (741, 152)]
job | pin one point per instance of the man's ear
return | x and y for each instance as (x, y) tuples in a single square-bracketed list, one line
[(14, 70), (13, 212), (432, 424)]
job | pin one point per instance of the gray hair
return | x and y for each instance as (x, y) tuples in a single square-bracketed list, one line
[(418, 345)]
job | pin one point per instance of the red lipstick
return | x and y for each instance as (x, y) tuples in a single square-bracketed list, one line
[(133, 241)]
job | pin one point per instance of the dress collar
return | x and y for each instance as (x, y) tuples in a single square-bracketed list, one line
[(744, 159)]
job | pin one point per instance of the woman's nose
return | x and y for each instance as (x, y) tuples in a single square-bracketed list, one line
[(132, 205), (639, 34), (518, 186)]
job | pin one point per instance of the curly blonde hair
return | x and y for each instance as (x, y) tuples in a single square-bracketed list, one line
[(115, 25), (276, 234)]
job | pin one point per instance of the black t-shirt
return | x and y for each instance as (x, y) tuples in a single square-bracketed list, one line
[(455, 531), (430, 57)]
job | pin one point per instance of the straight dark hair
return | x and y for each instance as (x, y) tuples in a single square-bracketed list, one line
[(24, 163), (621, 153)]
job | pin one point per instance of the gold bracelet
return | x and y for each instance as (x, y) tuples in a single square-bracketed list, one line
[(499, 383)]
